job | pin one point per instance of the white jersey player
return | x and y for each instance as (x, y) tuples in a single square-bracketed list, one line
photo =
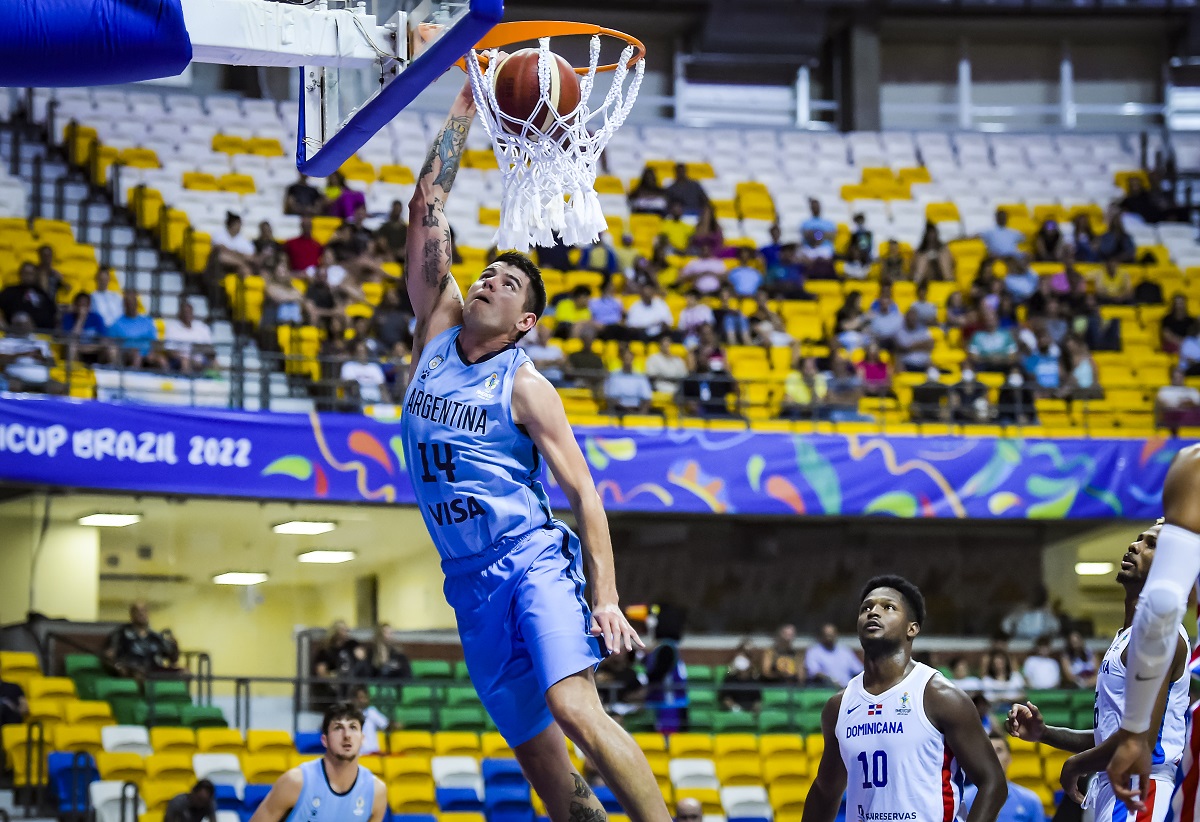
[(1094, 748), (896, 736)]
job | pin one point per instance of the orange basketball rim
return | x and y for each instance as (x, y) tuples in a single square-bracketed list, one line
[(520, 31)]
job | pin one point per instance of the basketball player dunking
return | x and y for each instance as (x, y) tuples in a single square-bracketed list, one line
[(334, 788), (1093, 749), (895, 736), (478, 420)]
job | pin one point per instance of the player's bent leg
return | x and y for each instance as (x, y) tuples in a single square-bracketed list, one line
[(576, 708), (549, 770)]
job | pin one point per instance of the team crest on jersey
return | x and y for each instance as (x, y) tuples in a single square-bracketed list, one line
[(434, 363), (358, 806), (905, 705), (488, 391)]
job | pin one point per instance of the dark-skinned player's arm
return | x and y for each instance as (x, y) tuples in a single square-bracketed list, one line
[(1025, 722), (1097, 758), (537, 407), (380, 805), (281, 799), (952, 712), (436, 299), (825, 795)]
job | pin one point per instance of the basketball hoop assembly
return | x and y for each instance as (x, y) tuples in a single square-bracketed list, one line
[(549, 167)]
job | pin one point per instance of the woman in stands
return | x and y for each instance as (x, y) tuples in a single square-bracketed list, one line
[(1048, 243), (932, 260), (1080, 379), (1175, 325), (708, 235), (648, 197), (1084, 242), (849, 322), (1079, 662)]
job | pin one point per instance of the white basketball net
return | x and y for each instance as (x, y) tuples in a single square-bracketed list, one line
[(550, 175)]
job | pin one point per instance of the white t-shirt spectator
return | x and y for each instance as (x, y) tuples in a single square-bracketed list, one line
[(667, 371), (242, 243), (705, 273), (374, 724), (180, 338), (652, 319), (627, 390), (1011, 689), (369, 377), (697, 315), (26, 366), (109, 305), (1174, 396), (839, 665), (1002, 242), (1042, 673)]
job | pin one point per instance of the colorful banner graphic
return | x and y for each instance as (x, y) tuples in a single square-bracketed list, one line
[(347, 458)]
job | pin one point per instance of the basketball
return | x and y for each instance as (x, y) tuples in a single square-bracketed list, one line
[(518, 92)]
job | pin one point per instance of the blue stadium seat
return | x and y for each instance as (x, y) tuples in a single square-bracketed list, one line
[(252, 797), (458, 799), (227, 798), (608, 799), (509, 803), (502, 772), (309, 742), (413, 817), (69, 775)]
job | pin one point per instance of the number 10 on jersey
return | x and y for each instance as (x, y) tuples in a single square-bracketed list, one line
[(875, 771)]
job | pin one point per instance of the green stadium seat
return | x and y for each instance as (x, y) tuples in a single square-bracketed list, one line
[(456, 695), (202, 716), (808, 721), (85, 683), (639, 722), (81, 663), (164, 714), (416, 695), (776, 698), (1083, 700), (700, 720), (110, 687), (431, 669), (464, 718), (700, 673), (460, 671), (810, 698), (129, 710), (1060, 717), (415, 718), (735, 722), (1049, 699), (702, 697), (773, 721), (1083, 719), (173, 690)]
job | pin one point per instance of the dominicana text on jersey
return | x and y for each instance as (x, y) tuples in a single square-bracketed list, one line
[(473, 470)]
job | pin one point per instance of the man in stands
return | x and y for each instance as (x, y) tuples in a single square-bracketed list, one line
[(14, 708), (676, 230), (687, 192), (301, 198), (706, 390), (135, 335), (303, 252), (135, 649), (689, 809), (232, 249), (1002, 241), (816, 224), (29, 298), (188, 341), (27, 360), (392, 236), (992, 348), (198, 805), (829, 663), (49, 277), (780, 662), (626, 391), (374, 722), (105, 301)]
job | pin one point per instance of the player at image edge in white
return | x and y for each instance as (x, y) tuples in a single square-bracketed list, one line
[(896, 735)]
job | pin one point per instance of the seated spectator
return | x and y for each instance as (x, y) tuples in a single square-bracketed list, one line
[(884, 320), (232, 250), (850, 323), (627, 392), (1044, 366), (1112, 285), (706, 274), (374, 722), (320, 301), (1042, 670), (677, 230), (283, 302), (815, 254), (197, 805), (781, 662), (134, 335), (665, 369), (362, 379), (340, 199), (187, 342), (1033, 618), (1021, 804), (1021, 281), (892, 264), (785, 278), (302, 199), (1078, 662), (1176, 404), (1116, 244), (731, 325), (969, 400), (1015, 405), (962, 678), (737, 692), (1099, 334), (876, 374), (932, 260), (687, 192), (913, 343), (84, 328), (693, 315), (29, 298), (649, 316), (1039, 302), (49, 277), (136, 650), (958, 314), (396, 368), (926, 311), (771, 251), (549, 360), (600, 257), (266, 247), (336, 656), (585, 367), (573, 313), (745, 278), (1001, 241), (620, 686), (26, 360), (392, 318), (845, 391), (861, 251), (804, 391), (1000, 682), (556, 256), (1084, 244), (992, 348), (648, 197), (767, 327), (14, 707), (392, 236), (828, 663), (105, 302), (1048, 243), (707, 238), (816, 223), (303, 252), (1143, 202), (930, 399), (706, 392), (625, 252), (1006, 313), (1080, 380)]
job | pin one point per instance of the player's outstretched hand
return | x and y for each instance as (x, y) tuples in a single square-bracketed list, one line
[(1025, 722), (610, 625), (1130, 760), (1070, 779)]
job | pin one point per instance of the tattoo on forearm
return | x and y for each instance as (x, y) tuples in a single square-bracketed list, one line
[(584, 813), (447, 149), (581, 787), (430, 219), (431, 264)]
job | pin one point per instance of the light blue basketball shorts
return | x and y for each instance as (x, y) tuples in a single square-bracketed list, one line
[(524, 624)]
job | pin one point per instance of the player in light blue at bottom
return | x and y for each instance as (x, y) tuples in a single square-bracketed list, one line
[(334, 788), (536, 605)]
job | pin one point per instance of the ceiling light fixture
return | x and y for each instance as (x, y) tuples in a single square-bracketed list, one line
[(240, 578), (304, 527), (1093, 569), (110, 520), (327, 556)]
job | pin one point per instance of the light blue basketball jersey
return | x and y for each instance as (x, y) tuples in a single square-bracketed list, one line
[(319, 803), (473, 471)]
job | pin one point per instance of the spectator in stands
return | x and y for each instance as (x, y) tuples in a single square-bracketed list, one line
[(374, 722), (1116, 244), (646, 270), (134, 335), (320, 302), (913, 343), (340, 199), (392, 236), (884, 320), (556, 256), (961, 676), (731, 325), (707, 236), (197, 805), (1078, 662), (676, 230), (621, 689), (608, 313), (849, 323), (627, 392), (785, 278), (392, 318), (1099, 333), (1143, 202), (83, 328), (771, 251), (780, 661), (1189, 352), (930, 399), (626, 254), (876, 374), (396, 368), (1080, 380), (1001, 681), (745, 278), (1048, 243), (1112, 285), (816, 223), (188, 342), (335, 656), (585, 367), (362, 379), (665, 369), (1022, 804), (689, 809), (845, 390), (136, 650), (1044, 366), (969, 400), (892, 263), (49, 277), (29, 298), (815, 255), (861, 250), (233, 250), (992, 348), (829, 663), (105, 302), (766, 324), (958, 315), (649, 316), (547, 359), (648, 197), (932, 260), (573, 313), (303, 252), (26, 360), (266, 247), (1021, 281), (302, 198), (1001, 241), (666, 674), (283, 302), (804, 391), (1042, 670), (687, 192), (386, 656), (1176, 404), (1084, 244), (600, 257), (694, 315), (1015, 405), (705, 273), (707, 391), (14, 707), (1033, 618)]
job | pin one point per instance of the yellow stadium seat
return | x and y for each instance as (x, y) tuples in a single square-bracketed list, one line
[(786, 799), (726, 744), (688, 744), (219, 740), (403, 801), (258, 742), (323, 228), (200, 181), (786, 769), (414, 768), (456, 743), (709, 798), (169, 766), (265, 768), (492, 744), (50, 687), (814, 745), (770, 745), (173, 740), (237, 183), (88, 712), (139, 158), (121, 766), (460, 816), (401, 175), (739, 769), (77, 738), (229, 144), (373, 763), (358, 170), (411, 743), (158, 792), (151, 816), (265, 147), (17, 746), (296, 759)]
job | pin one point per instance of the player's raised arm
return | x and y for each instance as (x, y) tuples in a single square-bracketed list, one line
[(953, 713), (281, 799), (537, 407), (825, 795), (431, 287)]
